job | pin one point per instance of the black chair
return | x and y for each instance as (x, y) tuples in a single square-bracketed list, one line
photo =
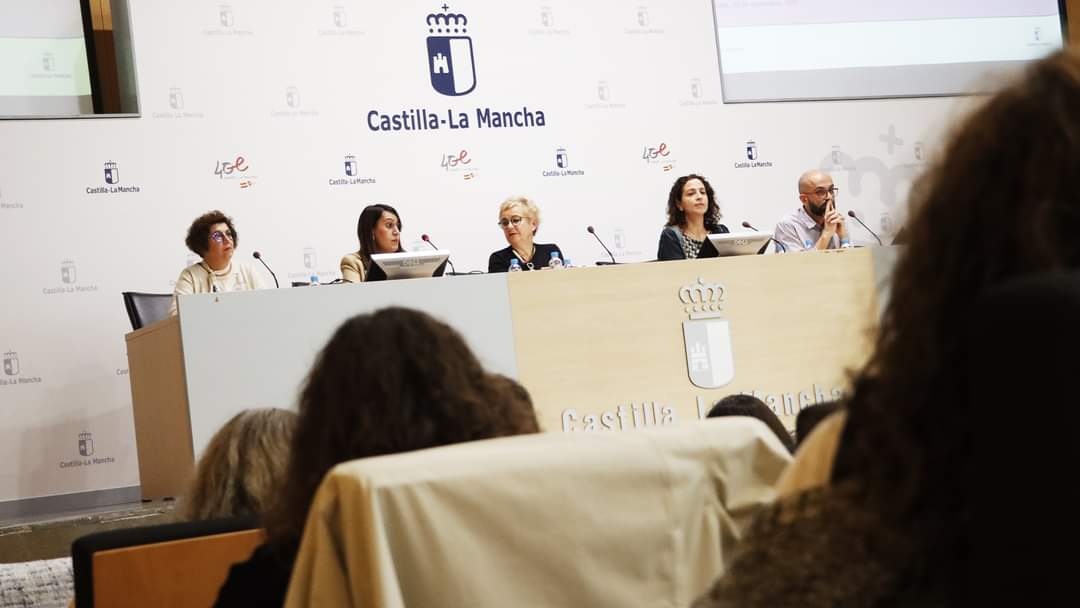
[(1021, 369), (146, 308)]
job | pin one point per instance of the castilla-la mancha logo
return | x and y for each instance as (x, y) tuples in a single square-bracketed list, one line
[(86, 444), (450, 53), (11, 363), (709, 354)]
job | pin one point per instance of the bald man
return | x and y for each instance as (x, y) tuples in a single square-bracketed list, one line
[(816, 224)]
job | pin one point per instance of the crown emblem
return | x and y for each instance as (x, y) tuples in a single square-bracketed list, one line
[(446, 22), (83, 436), (702, 300)]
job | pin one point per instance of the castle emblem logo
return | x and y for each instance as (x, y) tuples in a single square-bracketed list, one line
[(350, 166), (67, 272), (751, 150), (86, 444), (176, 99), (710, 359), (112, 173), (450, 53)]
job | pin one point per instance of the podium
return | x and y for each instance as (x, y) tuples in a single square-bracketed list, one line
[(605, 349)]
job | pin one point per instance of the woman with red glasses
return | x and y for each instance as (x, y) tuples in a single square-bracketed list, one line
[(213, 237)]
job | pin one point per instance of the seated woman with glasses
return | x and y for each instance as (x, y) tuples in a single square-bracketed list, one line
[(379, 231), (692, 216), (519, 219), (213, 237)]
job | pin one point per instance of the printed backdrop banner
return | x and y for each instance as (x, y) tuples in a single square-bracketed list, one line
[(292, 116)]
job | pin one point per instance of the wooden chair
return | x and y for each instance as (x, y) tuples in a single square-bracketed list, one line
[(182, 564)]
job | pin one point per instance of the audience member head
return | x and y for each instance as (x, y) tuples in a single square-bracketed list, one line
[(379, 231), (999, 202), (390, 381), (816, 191), (243, 468), (214, 238), (692, 196), (749, 405), (519, 218), (809, 417)]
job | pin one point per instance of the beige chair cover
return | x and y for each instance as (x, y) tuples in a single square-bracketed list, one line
[(640, 518)]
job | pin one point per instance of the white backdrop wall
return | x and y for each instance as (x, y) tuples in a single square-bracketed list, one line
[(289, 86)]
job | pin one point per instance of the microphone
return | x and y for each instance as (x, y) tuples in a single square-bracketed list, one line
[(747, 225), (427, 240), (258, 256), (592, 231), (851, 214)]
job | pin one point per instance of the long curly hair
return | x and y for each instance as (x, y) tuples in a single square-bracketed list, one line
[(391, 381), (999, 202), (676, 217)]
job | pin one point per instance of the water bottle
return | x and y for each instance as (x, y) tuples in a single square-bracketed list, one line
[(515, 265), (314, 279), (556, 261), (566, 263)]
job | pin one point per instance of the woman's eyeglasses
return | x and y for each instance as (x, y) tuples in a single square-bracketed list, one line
[(219, 236), (504, 223)]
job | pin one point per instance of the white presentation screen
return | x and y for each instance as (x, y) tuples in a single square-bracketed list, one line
[(43, 63), (778, 50)]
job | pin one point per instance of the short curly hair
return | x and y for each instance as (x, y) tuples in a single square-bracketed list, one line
[(198, 235)]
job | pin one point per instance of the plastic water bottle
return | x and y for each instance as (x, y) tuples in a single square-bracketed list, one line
[(515, 265), (556, 262), (314, 279)]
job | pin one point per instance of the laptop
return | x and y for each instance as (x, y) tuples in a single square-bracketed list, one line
[(734, 243), (407, 265)]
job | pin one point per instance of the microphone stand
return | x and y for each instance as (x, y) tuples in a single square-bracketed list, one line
[(592, 231), (861, 223), (427, 239), (258, 256)]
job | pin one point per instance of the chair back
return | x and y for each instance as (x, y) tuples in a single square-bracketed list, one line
[(180, 564), (146, 308), (637, 518), (1020, 455)]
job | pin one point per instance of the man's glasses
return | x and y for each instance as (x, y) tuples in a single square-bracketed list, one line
[(505, 223), (821, 192), (219, 236)]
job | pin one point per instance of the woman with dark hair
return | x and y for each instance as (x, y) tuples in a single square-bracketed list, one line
[(213, 237), (379, 231), (692, 216), (897, 522), (424, 388)]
